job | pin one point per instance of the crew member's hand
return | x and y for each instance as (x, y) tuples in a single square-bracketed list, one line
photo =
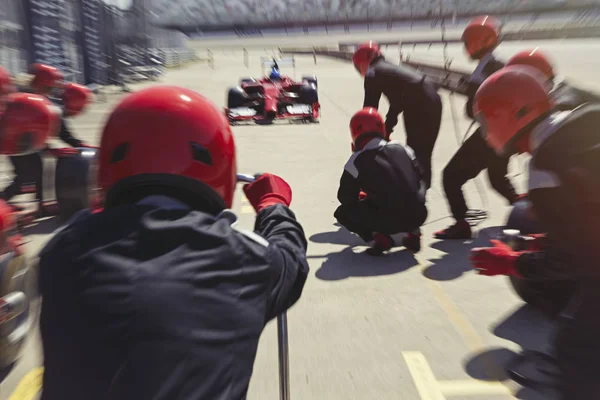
[(497, 260), (268, 190)]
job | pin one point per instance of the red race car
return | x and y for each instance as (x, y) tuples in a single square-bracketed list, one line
[(274, 97)]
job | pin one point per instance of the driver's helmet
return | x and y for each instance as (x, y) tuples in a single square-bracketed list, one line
[(275, 75)]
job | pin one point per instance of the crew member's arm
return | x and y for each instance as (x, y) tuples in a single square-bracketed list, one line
[(391, 119), (270, 196), (286, 255), (349, 189), (66, 136), (372, 92)]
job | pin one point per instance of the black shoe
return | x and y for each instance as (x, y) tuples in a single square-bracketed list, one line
[(382, 244)]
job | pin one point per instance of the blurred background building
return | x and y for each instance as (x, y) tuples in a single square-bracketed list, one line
[(97, 41)]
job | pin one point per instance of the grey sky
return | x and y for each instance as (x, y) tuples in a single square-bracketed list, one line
[(119, 3)]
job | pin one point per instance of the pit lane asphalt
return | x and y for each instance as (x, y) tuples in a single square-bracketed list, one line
[(362, 322)]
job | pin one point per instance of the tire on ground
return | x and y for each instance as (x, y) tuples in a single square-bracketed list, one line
[(236, 97), (309, 94), (550, 297), (76, 187)]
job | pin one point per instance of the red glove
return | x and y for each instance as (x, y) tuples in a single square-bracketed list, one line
[(267, 191), (362, 195), (497, 260)]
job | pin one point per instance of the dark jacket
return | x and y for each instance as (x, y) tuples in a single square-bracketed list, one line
[(156, 301), (486, 67), (388, 172), (404, 88), (66, 136), (565, 192)]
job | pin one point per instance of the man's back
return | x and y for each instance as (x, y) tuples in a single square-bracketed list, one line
[(388, 172), (162, 303)]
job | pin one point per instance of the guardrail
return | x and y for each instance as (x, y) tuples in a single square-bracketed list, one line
[(546, 33), (441, 76), (318, 51)]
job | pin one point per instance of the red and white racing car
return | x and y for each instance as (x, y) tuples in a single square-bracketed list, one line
[(274, 97)]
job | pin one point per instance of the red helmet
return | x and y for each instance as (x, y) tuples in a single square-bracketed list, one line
[(367, 121), (75, 98), (481, 36), (28, 121), (508, 103), (6, 85), (45, 77), (533, 58), (364, 55), (170, 140)]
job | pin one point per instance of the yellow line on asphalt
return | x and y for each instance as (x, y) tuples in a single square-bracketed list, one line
[(30, 386), (472, 387), (431, 389), (247, 210), (422, 375), (469, 334)]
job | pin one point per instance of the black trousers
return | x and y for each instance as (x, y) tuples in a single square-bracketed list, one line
[(364, 218), (578, 344), (27, 169), (471, 158), (422, 126)]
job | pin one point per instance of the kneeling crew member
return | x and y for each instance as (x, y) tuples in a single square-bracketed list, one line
[(382, 190), (563, 187)]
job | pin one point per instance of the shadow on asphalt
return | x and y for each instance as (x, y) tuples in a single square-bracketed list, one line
[(531, 330), (491, 365), (347, 263), (527, 327), (456, 260), (341, 236)]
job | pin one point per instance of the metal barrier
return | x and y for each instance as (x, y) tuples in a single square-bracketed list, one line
[(178, 57)]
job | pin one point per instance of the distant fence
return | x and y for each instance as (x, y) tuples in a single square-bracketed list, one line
[(178, 57)]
